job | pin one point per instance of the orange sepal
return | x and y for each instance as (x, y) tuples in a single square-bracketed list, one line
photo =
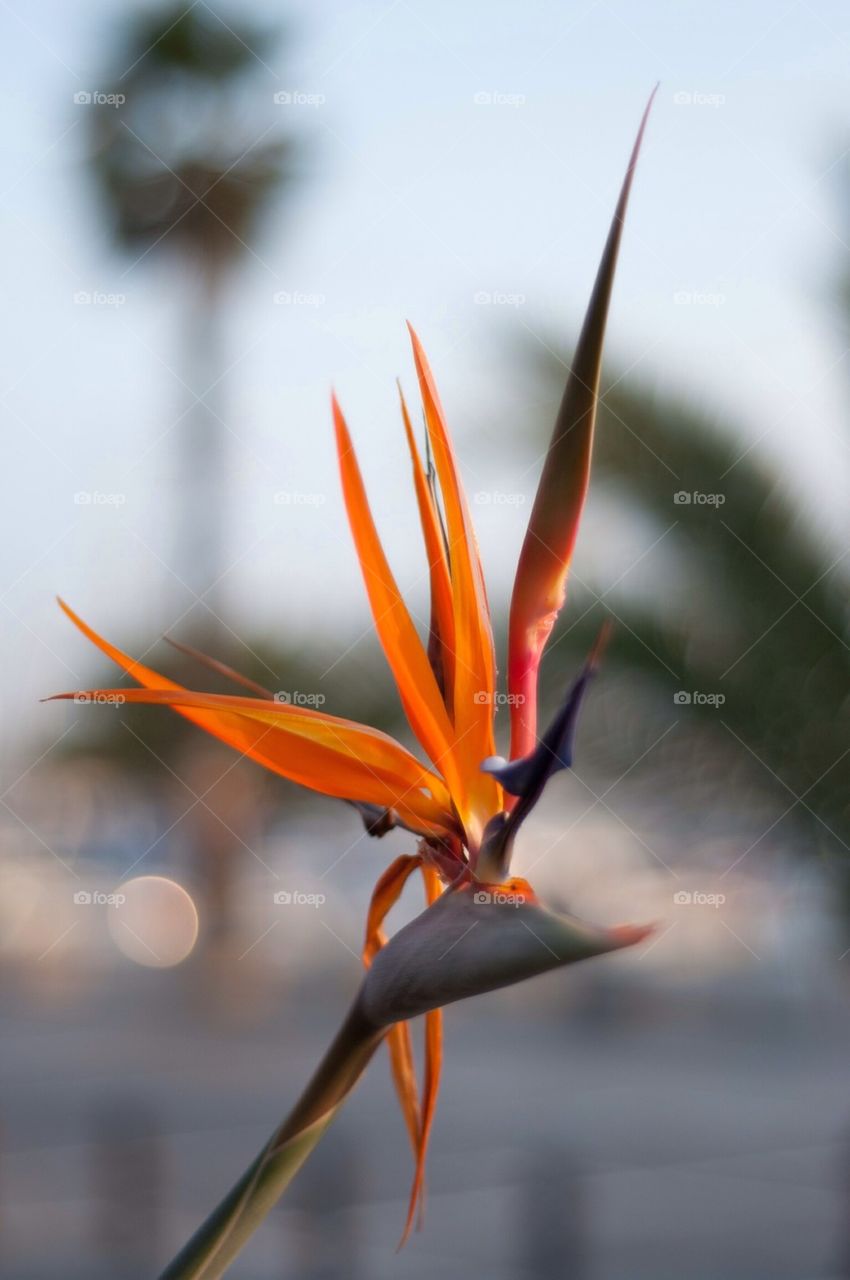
[(325, 753), (431, 1078), (418, 1116), (475, 671), (384, 895), (406, 655), (442, 617)]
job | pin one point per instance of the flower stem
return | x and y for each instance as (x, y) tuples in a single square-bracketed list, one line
[(220, 1238)]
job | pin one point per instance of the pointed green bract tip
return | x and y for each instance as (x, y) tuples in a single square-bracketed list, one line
[(477, 939)]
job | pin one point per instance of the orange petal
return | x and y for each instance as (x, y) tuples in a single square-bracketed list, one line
[(441, 650), (419, 1119), (404, 1078), (385, 894), (431, 1080), (475, 672), (417, 685), (333, 756), (326, 753), (541, 577)]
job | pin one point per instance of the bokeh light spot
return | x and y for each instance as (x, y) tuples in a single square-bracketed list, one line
[(153, 921)]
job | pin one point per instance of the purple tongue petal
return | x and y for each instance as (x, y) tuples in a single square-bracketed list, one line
[(526, 777), (514, 775)]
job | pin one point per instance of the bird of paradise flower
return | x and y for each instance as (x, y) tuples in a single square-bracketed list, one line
[(482, 928)]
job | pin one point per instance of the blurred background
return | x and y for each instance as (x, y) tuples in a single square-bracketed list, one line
[(211, 214)]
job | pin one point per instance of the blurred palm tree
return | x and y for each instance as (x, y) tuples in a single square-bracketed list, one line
[(186, 167), (753, 606)]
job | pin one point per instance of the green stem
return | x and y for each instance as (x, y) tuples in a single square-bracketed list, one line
[(220, 1238)]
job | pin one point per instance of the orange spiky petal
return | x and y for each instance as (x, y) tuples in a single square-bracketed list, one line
[(417, 685), (384, 895), (418, 1117), (325, 753), (475, 670), (431, 1078), (441, 652)]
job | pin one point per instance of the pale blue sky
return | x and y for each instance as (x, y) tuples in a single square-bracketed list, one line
[(421, 198)]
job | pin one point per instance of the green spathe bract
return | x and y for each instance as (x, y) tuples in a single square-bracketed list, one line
[(469, 942), (476, 940)]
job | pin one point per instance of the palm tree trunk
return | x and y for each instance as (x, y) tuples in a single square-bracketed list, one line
[(200, 497)]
